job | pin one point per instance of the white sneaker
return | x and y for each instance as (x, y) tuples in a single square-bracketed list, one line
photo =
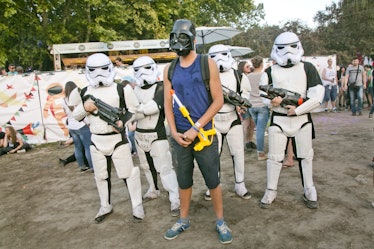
[(242, 191), (151, 194), (138, 214), (268, 198), (207, 196), (103, 213)]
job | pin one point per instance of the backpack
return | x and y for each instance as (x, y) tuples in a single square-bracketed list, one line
[(205, 73)]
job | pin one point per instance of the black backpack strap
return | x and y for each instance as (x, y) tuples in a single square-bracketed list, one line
[(205, 73), (122, 102), (82, 93), (268, 72), (172, 65), (238, 77)]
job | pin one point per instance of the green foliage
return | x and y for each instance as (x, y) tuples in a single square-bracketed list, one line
[(347, 28), (30, 28)]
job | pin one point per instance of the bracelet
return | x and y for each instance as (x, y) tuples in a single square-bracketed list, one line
[(197, 124), (195, 128)]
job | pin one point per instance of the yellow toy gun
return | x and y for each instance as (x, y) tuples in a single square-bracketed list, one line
[(202, 135)]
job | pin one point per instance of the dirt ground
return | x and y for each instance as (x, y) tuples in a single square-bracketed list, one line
[(46, 205)]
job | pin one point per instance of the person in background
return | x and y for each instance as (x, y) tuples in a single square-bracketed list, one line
[(3, 71), (13, 142), (19, 70), (79, 131), (341, 100), (369, 85), (355, 80), (189, 86), (372, 93), (259, 111), (329, 80), (12, 70), (2, 136), (247, 121), (119, 63)]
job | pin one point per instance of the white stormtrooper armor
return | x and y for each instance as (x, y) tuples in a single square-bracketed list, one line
[(302, 77), (150, 135), (227, 121), (105, 142)]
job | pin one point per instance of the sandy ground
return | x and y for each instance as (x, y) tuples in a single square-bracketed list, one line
[(45, 205)]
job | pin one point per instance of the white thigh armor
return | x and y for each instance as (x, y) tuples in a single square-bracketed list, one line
[(144, 140), (104, 145), (223, 120)]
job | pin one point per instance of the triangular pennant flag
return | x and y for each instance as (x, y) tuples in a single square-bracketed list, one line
[(13, 118), (33, 89), (17, 114), (37, 77), (20, 109)]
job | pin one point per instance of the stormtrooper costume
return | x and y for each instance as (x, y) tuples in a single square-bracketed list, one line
[(150, 135), (292, 74), (227, 121), (106, 144)]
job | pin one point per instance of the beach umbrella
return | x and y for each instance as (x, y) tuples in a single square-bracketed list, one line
[(206, 35), (239, 51)]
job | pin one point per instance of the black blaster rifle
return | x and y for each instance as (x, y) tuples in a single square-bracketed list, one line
[(289, 97), (234, 98), (109, 113)]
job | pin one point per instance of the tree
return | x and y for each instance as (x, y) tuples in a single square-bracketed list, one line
[(30, 28), (347, 27)]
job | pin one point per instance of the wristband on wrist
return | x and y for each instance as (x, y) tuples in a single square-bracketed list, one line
[(197, 124), (195, 128)]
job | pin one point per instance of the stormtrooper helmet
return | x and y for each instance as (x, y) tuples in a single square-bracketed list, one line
[(287, 49), (182, 37), (99, 70), (146, 71), (222, 56)]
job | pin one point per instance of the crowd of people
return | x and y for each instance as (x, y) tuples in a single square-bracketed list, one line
[(12, 70), (205, 102), (202, 98)]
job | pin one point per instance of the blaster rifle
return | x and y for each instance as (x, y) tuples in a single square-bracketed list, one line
[(109, 113), (234, 98), (202, 135), (289, 97)]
